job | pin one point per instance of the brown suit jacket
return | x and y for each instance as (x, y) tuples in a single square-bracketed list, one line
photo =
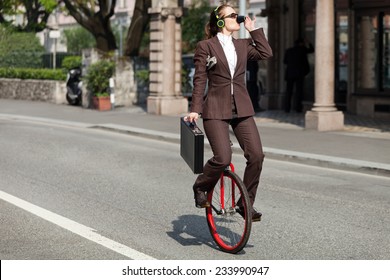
[(215, 101)]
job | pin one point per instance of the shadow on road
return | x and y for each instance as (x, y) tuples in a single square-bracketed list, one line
[(192, 230)]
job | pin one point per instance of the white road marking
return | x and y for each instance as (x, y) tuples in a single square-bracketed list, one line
[(79, 229)]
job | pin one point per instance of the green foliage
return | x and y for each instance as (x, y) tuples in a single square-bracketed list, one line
[(14, 7), (116, 30), (98, 76), (98, 95), (49, 5), (36, 74), (20, 49), (34, 20), (193, 24), (70, 62), (7, 7), (145, 43), (184, 78), (78, 38), (142, 76)]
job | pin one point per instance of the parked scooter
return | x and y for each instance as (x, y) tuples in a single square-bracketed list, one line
[(74, 86)]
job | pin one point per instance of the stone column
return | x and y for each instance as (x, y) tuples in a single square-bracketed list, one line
[(272, 97), (165, 97), (324, 115)]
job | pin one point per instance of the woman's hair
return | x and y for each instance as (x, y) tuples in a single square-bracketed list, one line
[(211, 28)]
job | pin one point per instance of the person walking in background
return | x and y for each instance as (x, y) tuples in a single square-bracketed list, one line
[(297, 67), (221, 62)]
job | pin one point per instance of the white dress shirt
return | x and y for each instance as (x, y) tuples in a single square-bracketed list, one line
[(229, 50)]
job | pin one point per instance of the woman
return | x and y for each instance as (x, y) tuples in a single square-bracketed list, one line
[(220, 63)]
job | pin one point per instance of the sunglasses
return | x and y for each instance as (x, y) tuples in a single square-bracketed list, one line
[(232, 15)]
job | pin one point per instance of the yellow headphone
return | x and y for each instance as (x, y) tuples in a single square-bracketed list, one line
[(220, 22)]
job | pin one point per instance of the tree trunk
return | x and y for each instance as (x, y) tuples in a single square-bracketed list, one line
[(101, 30), (95, 21), (36, 15), (138, 26)]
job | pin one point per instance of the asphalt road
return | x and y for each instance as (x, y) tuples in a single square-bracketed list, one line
[(76, 193)]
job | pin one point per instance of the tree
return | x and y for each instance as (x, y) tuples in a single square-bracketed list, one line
[(6, 8), (78, 38), (94, 15), (20, 49), (193, 24), (138, 26), (36, 13)]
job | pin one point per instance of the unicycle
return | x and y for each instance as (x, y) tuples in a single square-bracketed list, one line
[(228, 218)]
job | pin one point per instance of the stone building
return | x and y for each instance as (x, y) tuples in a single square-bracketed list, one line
[(352, 54), (350, 69)]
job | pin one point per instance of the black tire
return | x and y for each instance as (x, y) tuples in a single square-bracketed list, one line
[(74, 102), (227, 226)]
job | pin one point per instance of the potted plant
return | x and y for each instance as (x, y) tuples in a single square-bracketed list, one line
[(101, 101), (97, 80)]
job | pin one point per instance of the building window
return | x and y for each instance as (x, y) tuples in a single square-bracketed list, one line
[(122, 4), (342, 55), (373, 51), (386, 51)]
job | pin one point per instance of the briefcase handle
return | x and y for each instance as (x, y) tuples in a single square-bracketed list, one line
[(194, 127)]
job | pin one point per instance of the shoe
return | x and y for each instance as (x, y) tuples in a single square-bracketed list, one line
[(200, 198), (256, 216)]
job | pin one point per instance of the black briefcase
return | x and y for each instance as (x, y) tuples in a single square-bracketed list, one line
[(191, 145)]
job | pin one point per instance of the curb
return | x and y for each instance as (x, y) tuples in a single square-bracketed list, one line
[(361, 166), (141, 132)]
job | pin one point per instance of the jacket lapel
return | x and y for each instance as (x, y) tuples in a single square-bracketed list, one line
[(240, 62), (220, 54)]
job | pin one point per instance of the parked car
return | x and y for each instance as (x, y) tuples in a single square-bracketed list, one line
[(188, 70)]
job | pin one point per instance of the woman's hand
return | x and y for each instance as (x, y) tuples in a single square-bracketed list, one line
[(249, 23), (192, 117)]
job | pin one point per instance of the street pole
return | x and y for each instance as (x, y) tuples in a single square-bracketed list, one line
[(242, 11), (54, 34), (55, 54), (112, 92)]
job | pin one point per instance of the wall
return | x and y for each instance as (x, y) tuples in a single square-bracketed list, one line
[(36, 90), (368, 106), (55, 91), (125, 85)]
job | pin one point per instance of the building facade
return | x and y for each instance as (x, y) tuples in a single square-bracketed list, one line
[(361, 52), (361, 49)]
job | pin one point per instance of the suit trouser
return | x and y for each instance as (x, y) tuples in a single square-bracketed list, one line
[(217, 132)]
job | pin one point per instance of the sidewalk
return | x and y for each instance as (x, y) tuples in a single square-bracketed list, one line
[(363, 146)]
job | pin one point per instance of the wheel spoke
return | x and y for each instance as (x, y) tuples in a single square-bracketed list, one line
[(228, 228)]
